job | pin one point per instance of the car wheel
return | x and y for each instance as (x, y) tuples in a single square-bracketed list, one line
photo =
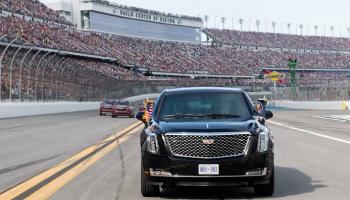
[(100, 114), (266, 189), (113, 116), (147, 189)]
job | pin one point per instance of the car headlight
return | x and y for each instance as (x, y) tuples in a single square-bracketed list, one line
[(263, 142), (152, 140)]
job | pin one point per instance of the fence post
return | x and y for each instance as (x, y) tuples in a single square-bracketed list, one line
[(2, 57), (11, 68), (28, 75), (42, 77), (20, 73), (36, 74)]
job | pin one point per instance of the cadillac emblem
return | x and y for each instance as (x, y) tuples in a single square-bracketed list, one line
[(208, 141)]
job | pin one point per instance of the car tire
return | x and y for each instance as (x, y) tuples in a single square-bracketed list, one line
[(131, 116), (147, 189), (266, 189), (100, 114), (114, 116)]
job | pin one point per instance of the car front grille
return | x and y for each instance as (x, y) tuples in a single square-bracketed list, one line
[(213, 145)]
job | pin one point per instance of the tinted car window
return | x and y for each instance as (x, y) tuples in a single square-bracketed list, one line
[(108, 101), (206, 104), (123, 103)]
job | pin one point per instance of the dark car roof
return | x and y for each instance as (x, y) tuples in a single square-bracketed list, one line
[(202, 89)]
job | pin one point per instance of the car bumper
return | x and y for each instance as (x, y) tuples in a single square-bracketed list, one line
[(122, 113), (244, 170), (106, 110)]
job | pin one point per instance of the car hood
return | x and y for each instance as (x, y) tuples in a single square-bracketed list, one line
[(207, 126)]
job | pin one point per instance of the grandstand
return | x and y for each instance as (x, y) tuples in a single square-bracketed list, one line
[(45, 57)]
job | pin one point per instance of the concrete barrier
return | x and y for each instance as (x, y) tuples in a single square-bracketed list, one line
[(312, 105), (23, 109), (8, 110)]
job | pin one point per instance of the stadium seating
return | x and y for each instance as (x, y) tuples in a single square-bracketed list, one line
[(232, 37), (33, 8), (265, 49)]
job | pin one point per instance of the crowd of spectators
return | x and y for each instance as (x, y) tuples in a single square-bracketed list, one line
[(277, 40), (32, 8), (174, 57), (165, 56)]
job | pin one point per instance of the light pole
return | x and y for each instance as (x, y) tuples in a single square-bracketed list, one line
[(232, 23), (273, 26), (2, 57), (11, 67), (223, 20), (316, 27), (20, 73), (301, 29), (241, 23), (249, 20), (288, 25), (206, 18), (348, 29), (215, 21), (257, 24), (332, 30), (281, 25), (28, 72)]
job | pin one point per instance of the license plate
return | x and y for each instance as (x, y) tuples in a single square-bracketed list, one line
[(208, 169)]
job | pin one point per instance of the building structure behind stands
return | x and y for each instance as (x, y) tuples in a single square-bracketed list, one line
[(104, 16)]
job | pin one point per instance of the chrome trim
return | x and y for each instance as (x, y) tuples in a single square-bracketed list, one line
[(209, 133), (245, 152), (264, 172)]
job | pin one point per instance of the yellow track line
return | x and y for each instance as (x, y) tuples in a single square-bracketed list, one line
[(26, 185)]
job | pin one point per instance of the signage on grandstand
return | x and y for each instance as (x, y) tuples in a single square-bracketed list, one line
[(274, 76)]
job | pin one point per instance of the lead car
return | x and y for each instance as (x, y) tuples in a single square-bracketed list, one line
[(207, 137)]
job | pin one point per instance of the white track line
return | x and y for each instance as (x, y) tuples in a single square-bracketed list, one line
[(341, 118), (311, 132)]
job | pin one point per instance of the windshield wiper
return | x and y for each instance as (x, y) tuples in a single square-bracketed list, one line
[(182, 116), (222, 116)]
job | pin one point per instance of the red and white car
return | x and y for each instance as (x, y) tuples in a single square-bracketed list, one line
[(106, 106), (122, 108)]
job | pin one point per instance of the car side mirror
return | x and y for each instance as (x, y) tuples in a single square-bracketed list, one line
[(268, 114)]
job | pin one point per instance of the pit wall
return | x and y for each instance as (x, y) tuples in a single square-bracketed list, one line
[(8, 110), (16, 109), (311, 105)]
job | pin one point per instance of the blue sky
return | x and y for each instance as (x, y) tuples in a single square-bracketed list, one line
[(323, 13)]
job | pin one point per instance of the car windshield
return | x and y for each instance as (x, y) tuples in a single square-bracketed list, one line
[(123, 103), (205, 105), (108, 101)]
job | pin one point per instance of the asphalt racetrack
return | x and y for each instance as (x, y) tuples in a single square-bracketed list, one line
[(84, 156)]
